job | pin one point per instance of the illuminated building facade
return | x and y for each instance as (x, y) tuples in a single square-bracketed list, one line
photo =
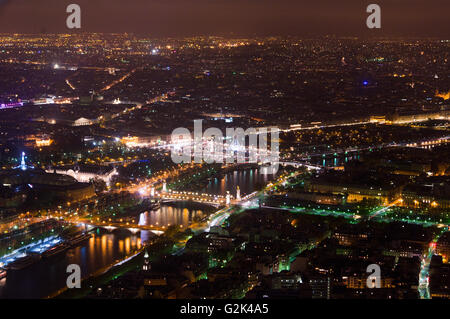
[(85, 174)]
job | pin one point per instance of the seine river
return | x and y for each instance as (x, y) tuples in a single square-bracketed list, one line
[(105, 247), (248, 180), (49, 275), (102, 249)]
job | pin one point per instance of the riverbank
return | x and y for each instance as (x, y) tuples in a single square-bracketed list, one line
[(100, 277)]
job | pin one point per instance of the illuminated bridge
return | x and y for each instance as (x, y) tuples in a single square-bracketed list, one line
[(302, 164), (429, 144), (216, 200), (133, 227), (167, 196)]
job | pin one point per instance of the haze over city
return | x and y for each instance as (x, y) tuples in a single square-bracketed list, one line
[(225, 17)]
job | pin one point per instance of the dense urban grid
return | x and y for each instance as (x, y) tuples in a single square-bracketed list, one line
[(87, 178)]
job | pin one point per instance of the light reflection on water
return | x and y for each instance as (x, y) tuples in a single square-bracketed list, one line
[(104, 247), (248, 181), (333, 161), (48, 275), (170, 215)]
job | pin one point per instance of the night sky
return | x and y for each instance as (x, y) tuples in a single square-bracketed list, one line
[(227, 17)]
